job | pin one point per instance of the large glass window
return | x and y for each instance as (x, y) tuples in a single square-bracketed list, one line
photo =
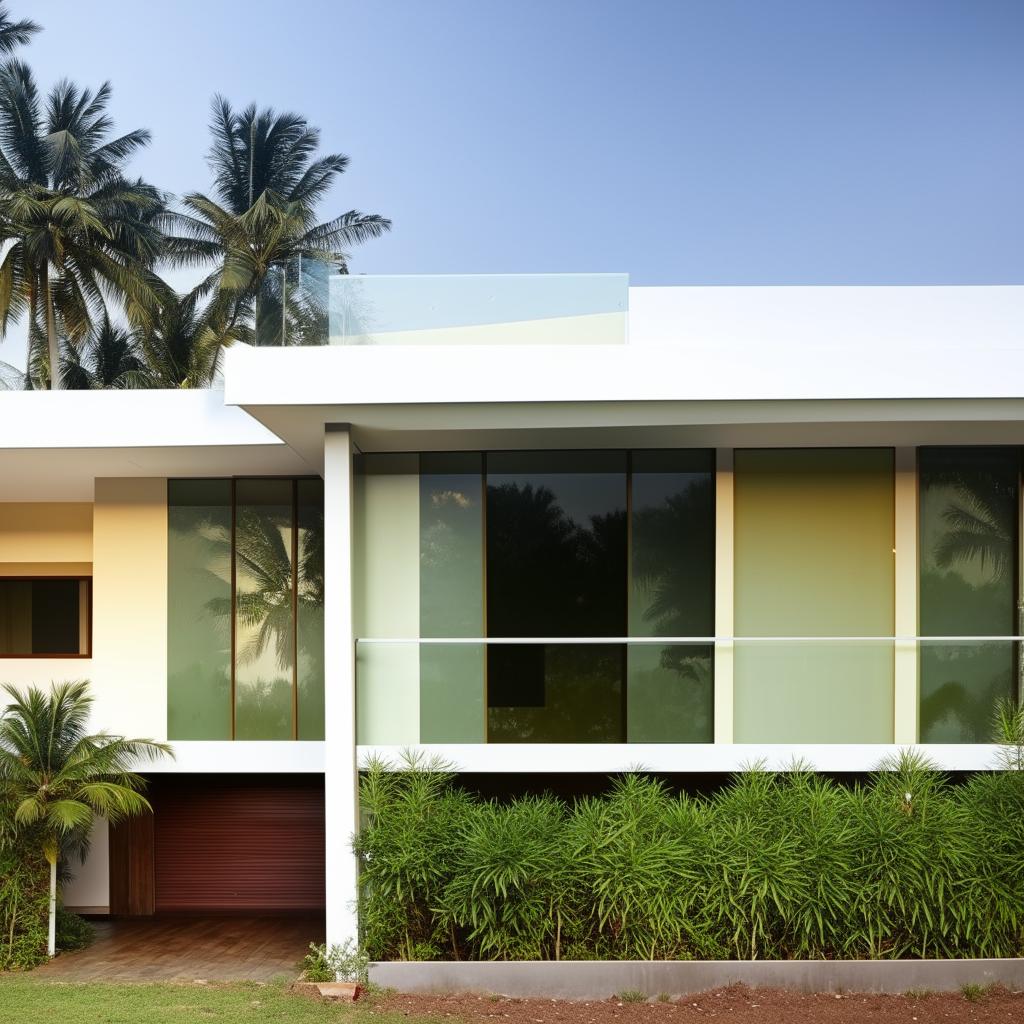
[(452, 597), (199, 610), (527, 546), (556, 566), (969, 587), (44, 617), (814, 537), (672, 594), (245, 621)]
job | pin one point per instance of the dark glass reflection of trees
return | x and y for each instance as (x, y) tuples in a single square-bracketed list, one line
[(969, 556), (549, 574), (553, 573)]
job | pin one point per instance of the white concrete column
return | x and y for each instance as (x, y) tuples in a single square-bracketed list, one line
[(724, 593), (905, 619), (340, 776)]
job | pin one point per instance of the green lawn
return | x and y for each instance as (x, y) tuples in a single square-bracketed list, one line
[(25, 1000)]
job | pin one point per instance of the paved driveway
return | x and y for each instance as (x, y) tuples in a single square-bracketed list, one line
[(190, 949)]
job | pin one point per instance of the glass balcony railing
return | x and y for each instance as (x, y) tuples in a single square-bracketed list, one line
[(311, 303), (785, 690)]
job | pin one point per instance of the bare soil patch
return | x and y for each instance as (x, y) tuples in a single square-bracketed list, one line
[(734, 1004)]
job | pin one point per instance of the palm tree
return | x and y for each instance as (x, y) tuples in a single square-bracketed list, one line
[(15, 33), (57, 776), (108, 359), (75, 227), (262, 223), (181, 346)]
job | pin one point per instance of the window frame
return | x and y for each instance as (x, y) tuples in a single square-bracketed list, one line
[(79, 656)]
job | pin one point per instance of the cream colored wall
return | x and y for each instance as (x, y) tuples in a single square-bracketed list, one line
[(38, 538), (129, 662)]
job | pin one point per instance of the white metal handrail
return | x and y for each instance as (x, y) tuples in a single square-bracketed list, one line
[(698, 640)]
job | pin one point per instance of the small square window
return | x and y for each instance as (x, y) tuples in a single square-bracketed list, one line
[(44, 617)]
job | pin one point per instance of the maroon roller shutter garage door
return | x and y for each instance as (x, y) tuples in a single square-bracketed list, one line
[(248, 845)]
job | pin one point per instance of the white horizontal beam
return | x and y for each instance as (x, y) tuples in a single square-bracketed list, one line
[(242, 756), (679, 757)]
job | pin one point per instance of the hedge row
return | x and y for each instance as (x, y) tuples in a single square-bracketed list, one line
[(776, 865)]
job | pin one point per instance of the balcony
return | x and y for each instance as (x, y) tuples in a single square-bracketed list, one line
[(312, 304)]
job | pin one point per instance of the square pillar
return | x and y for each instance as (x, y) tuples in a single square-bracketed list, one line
[(341, 779)]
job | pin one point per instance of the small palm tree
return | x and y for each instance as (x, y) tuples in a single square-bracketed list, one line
[(57, 776), (74, 228)]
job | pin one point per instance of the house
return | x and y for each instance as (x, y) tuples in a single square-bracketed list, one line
[(530, 523)]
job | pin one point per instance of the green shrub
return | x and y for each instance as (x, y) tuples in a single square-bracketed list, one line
[(776, 865), (632, 995), (73, 932), (337, 963), (24, 903)]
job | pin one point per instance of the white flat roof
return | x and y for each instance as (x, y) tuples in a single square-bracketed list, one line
[(53, 445)]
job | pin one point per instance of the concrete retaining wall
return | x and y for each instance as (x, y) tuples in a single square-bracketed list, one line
[(603, 978)]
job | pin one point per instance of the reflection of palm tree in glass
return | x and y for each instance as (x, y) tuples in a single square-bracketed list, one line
[(264, 611), (673, 563), (981, 525), (967, 589), (551, 576)]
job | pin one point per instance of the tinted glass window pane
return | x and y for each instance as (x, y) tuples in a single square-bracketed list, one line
[(814, 536), (556, 566), (310, 606), (672, 593), (264, 614), (44, 616), (556, 544), (199, 610), (386, 595), (556, 693), (968, 553), (451, 597)]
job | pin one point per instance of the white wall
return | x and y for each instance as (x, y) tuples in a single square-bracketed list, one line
[(89, 890)]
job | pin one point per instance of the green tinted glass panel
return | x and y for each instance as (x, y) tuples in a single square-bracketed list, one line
[(264, 614), (310, 609), (968, 552), (386, 596), (670, 696), (814, 536), (451, 597), (199, 610)]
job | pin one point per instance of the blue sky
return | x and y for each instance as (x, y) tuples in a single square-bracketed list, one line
[(686, 142)]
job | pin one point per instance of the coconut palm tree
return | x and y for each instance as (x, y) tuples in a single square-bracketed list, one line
[(261, 223), (57, 776), (15, 33), (107, 360), (256, 151), (76, 230), (181, 346)]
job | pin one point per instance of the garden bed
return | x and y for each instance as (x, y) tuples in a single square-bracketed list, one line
[(736, 1004)]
